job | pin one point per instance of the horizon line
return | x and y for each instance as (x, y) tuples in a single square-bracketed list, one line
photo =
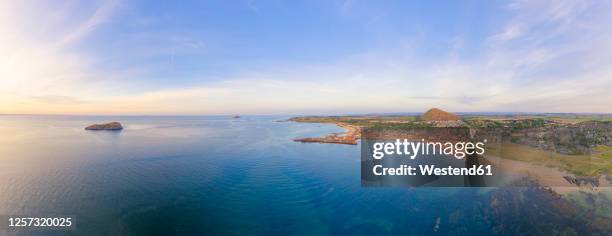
[(318, 114)]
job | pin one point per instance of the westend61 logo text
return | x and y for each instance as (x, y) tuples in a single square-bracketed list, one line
[(427, 152), (412, 149)]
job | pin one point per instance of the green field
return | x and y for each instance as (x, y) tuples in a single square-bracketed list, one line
[(582, 165), (563, 118), (603, 151)]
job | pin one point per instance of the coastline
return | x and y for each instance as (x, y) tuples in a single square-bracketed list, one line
[(349, 137), (554, 178)]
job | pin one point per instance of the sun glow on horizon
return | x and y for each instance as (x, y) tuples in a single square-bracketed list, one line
[(124, 57)]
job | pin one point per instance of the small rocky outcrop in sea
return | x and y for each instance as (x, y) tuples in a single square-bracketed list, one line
[(107, 126)]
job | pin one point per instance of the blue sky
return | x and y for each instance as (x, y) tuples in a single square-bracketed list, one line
[(304, 57)]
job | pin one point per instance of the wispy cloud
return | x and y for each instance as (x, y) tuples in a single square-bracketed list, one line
[(543, 56), (251, 5), (38, 66), (346, 6), (101, 15), (58, 99)]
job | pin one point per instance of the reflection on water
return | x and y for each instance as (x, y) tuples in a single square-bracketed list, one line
[(244, 176)]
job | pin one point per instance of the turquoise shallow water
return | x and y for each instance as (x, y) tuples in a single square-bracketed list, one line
[(217, 175)]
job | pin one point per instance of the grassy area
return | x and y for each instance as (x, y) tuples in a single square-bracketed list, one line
[(603, 151), (581, 118), (583, 165), (366, 121), (562, 118)]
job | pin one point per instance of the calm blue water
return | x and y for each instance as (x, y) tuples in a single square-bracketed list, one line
[(217, 175)]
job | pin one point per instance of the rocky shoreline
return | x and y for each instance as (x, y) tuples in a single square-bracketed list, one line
[(350, 137)]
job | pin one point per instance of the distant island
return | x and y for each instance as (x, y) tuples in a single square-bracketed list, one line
[(115, 126)]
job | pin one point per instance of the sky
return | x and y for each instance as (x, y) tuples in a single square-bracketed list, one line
[(133, 57)]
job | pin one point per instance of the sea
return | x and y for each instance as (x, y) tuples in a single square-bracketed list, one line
[(218, 175)]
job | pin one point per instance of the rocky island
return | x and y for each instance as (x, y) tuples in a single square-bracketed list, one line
[(115, 126)]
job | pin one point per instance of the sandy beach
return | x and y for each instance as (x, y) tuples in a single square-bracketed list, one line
[(350, 137)]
